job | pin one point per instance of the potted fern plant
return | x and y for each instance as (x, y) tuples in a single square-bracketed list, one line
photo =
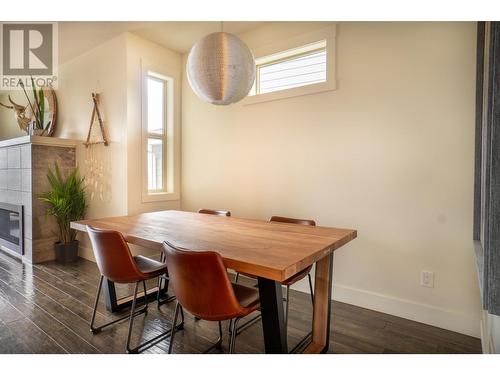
[(66, 203)]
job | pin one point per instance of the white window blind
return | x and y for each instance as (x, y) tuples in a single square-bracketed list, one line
[(301, 66)]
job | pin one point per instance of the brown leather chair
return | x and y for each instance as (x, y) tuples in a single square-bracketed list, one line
[(214, 212), (200, 282), (209, 211), (290, 281), (302, 274), (117, 264), (163, 280)]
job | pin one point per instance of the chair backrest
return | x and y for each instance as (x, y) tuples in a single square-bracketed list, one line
[(113, 255), (200, 283), (214, 212), (281, 219)]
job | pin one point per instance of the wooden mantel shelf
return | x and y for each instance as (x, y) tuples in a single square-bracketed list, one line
[(39, 140)]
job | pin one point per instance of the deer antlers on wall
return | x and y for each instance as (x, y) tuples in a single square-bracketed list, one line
[(20, 114)]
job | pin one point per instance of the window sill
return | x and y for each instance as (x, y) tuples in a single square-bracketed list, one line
[(160, 197), (290, 93)]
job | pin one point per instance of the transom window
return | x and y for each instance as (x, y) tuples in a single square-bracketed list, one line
[(302, 66)]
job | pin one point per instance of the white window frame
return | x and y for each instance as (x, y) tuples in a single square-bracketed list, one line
[(283, 48), (170, 181)]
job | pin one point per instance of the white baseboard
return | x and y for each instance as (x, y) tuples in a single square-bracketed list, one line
[(427, 314), (487, 341), (485, 347), (432, 315)]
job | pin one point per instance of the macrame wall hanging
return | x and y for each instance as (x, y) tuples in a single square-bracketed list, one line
[(98, 173), (96, 116)]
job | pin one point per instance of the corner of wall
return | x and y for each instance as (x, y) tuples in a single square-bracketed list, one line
[(490, 333)]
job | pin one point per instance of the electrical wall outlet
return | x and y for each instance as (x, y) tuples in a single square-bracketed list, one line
[(427, 279)]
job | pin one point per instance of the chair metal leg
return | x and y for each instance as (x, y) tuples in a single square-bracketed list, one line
[(94, 329), (159, 290), (159, 284), (245, 325), (287, 304), (234, 329), (145, 296), (181, 325), (173, 329), (218, 344), (131, 321), (163, 280), (133, 314), (311, 288)]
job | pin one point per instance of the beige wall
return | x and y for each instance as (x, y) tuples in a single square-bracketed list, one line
[(102, 70), (389, 153), (113, 70)]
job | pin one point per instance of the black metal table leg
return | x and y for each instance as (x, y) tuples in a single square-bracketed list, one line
[(110, 295), (273, 318)]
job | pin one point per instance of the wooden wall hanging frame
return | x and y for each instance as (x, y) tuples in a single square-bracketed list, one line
[(96, 112), (51, 108)]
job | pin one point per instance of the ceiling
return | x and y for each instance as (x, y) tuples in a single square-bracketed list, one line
[(78, 37)]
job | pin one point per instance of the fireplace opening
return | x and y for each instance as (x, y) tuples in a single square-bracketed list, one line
[(11, 227)]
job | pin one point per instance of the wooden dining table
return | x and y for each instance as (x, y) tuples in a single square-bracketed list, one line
[(271, 251)]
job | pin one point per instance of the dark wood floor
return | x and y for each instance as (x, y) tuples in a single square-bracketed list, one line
[(46, 308)]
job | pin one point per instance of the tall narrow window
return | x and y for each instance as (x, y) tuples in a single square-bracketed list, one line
[(156, 120)]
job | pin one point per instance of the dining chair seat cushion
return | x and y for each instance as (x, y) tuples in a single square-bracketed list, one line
[(150, 267), (247, 297)]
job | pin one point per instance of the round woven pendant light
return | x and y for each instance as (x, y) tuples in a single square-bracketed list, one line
[(221, 69)]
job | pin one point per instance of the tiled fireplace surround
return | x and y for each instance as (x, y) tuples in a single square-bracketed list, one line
[(24, 162)]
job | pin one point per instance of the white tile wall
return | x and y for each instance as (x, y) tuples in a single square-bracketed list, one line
[(14, 179), (3, 158), (25, 180), (3, 178), (26, 156), (14, 157), (26, 202)]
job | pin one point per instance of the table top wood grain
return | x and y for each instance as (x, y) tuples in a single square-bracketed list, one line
[(272, 250)]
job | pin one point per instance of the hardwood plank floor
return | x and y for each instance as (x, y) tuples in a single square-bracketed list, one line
[(45, 308)]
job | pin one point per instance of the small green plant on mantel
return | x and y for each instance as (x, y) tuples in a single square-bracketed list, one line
[(67, 203), (38, 110)]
